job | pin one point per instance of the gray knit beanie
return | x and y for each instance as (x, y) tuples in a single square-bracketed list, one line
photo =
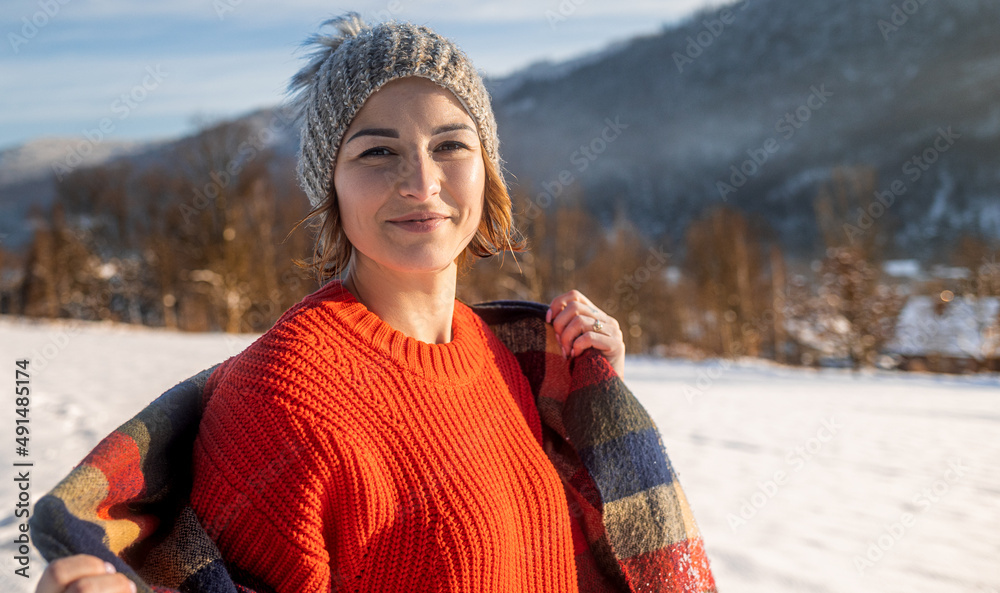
[(350, 65)]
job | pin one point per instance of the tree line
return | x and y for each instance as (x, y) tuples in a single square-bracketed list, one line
[(203, 240)]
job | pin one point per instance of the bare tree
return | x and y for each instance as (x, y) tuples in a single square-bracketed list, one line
[(726, 265), (853, 312)]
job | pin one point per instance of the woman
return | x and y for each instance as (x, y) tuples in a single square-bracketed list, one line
[(409, 447)]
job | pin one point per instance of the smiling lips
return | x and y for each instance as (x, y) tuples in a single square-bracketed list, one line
[(419, 222)]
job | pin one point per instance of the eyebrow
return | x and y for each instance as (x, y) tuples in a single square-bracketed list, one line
[(391, 133)]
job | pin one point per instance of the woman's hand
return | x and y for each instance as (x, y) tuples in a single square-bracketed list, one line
[(580, 325), (76, 574)]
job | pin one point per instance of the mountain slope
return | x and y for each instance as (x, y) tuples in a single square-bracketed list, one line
[(698, 97)]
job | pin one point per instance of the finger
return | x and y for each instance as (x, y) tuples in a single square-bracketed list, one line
[(591, 339), (588, 318), (64, 571), (575, 327), (560, 302), (106, 583), (572, 310), (610, 327)]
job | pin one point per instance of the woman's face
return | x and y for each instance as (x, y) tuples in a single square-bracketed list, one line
[(410, 178)]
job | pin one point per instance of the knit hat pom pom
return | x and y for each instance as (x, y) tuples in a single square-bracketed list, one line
[(324, 45)]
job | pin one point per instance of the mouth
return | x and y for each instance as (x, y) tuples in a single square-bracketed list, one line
[(419, 217), (419, 222)]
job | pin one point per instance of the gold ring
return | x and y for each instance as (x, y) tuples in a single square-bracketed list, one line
[(598, 325)]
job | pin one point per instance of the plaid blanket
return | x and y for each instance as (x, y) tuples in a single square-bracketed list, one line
[(126, 502)]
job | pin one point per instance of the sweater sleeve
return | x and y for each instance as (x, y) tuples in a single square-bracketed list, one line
[(262, 471)]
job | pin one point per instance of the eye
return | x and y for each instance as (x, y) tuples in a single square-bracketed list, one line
[(453, 144), (377, 151)]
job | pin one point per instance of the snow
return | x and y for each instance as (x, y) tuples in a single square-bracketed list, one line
[(950, 272), (903, 268), (794, 475), (967, 327)]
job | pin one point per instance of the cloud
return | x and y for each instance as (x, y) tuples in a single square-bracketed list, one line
[(220, 84)]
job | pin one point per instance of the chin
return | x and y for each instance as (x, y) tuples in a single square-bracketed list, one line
[(418, 261)]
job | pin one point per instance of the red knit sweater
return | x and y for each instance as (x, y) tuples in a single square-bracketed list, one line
[(337, 453)]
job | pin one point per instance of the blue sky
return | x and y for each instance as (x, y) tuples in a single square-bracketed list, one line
[(155, 68)]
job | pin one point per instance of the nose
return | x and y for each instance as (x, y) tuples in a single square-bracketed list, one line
[(419, 176)]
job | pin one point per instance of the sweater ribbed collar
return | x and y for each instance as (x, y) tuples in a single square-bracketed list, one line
[(455, 362)]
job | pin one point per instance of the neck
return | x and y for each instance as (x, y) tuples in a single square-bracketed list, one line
[(419, 305)]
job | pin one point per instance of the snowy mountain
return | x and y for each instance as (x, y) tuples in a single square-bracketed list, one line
[(39, 158), (27, 176), (767, 98), (29, 173)]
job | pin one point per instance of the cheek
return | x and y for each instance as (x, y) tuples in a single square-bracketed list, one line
[(472, 184), (481, 203), (350, 204), (364, 190)]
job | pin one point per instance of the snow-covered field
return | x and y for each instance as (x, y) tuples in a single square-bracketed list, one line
[(801, 480)]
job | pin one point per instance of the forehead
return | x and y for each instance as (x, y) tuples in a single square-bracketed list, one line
[(415, 95)]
